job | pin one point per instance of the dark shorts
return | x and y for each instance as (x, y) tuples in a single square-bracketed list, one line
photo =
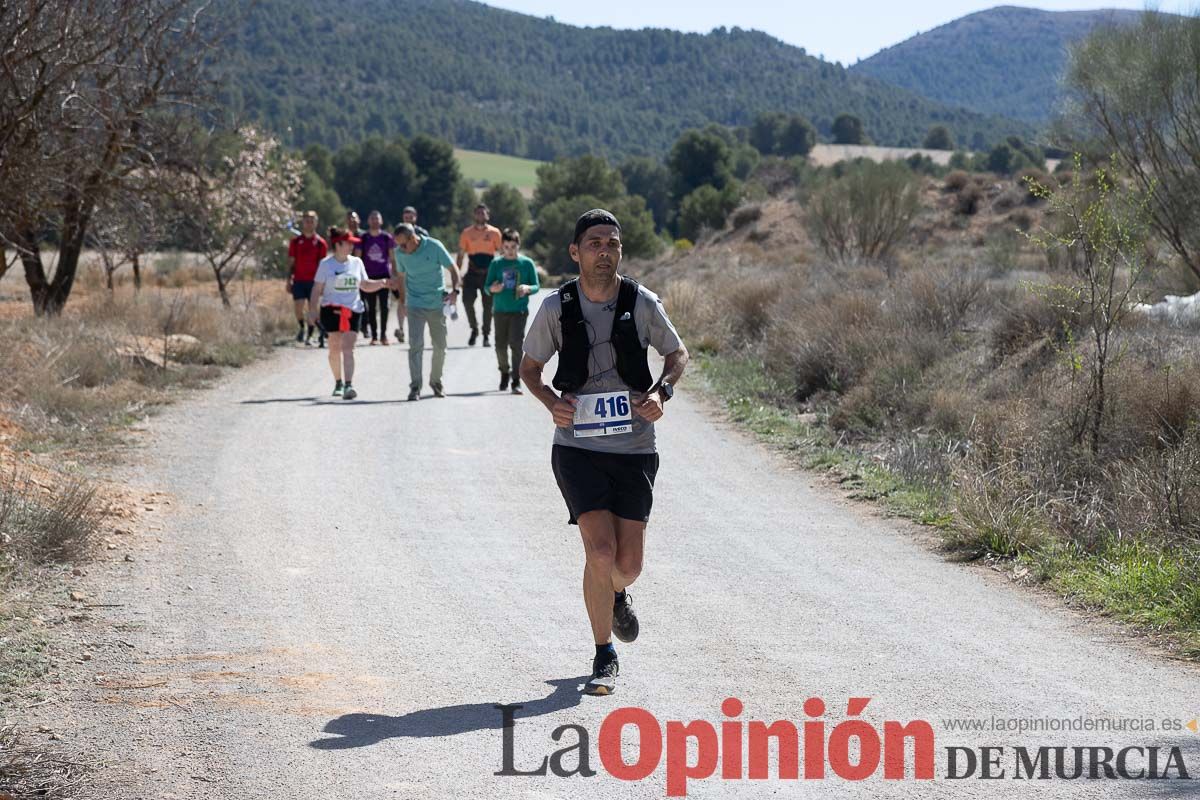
[(331, 320), (301, 290), (622, 483)]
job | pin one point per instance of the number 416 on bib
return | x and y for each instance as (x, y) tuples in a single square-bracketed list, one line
[(603, 414)]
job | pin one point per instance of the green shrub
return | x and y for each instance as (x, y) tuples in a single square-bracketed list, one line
[(706, 208), (865, 213), (938, 138)]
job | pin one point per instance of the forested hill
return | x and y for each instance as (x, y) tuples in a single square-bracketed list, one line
[(1005, 60), (336, 71)]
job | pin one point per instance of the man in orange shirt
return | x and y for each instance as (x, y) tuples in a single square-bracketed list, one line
[(478, 244)]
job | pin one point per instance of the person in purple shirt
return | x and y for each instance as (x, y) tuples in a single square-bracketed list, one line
[(378, 255)]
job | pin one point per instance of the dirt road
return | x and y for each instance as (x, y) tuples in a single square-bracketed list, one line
[(345, 590)]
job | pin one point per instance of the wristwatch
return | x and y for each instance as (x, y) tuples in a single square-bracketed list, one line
[(666, 391)]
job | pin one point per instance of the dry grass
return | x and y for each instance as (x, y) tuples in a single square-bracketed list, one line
[(110, 357), (959, 371), (41, 524), (28, 771)]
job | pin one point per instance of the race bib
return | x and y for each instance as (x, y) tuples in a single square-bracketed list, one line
[(346, 282), (603, 414)]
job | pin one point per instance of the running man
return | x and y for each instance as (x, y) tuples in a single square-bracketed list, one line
[(511, 278), (422, 261), (336, 293), (477, 244), (604, 455), (305, 252), (379, 258), (409, 215)]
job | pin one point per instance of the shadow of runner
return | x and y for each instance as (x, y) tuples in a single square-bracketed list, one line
[(363, 730)]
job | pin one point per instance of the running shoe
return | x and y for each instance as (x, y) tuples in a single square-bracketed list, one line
[(338, 389), (605, 669), (300, 336), (503, 381), (625, 621), (414, 394), (486, 342), (350, 394), (374, 341), (438, 391), (474, 336), (516, 388), (383, 340)]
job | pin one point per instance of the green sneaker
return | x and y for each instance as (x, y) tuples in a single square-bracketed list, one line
[(338, 388)]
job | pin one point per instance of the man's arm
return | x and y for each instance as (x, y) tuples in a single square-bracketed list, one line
[(455, 278), (562, 409), (462, 253), (674, 365), (650, 407)]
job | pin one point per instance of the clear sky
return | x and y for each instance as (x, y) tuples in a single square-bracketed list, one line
[(844, 33)]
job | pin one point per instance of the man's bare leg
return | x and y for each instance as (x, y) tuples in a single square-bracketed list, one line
[(631, 546), (599, 533)]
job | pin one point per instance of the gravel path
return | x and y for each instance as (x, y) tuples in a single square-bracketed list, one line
[(344, 590)]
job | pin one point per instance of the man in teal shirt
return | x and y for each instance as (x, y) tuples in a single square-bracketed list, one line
[(511, 278), (421, 260)]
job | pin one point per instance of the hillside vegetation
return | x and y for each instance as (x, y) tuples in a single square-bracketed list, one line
[(1005, 60), (952, 374), (498, 81)]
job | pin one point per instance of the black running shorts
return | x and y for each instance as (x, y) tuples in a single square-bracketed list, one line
[(331, 321), (622, 483)]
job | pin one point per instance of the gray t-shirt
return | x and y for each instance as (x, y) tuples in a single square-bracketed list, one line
[(544, 339)]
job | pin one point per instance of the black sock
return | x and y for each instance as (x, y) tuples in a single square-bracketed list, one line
[(606, 648), (339, 382), (618, 597), (310, 329)]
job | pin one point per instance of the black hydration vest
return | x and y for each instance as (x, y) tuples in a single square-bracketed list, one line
[(632, 366)]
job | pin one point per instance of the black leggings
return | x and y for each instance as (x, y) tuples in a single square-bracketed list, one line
[(377, 327)]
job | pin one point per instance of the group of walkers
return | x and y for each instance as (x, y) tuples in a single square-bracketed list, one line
[(413, 265), (603, 400)]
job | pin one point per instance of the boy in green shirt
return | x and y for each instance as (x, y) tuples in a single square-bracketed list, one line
[(511, 278)]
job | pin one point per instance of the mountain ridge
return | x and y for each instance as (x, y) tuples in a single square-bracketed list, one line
[(500, 81), (1005, 60)]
